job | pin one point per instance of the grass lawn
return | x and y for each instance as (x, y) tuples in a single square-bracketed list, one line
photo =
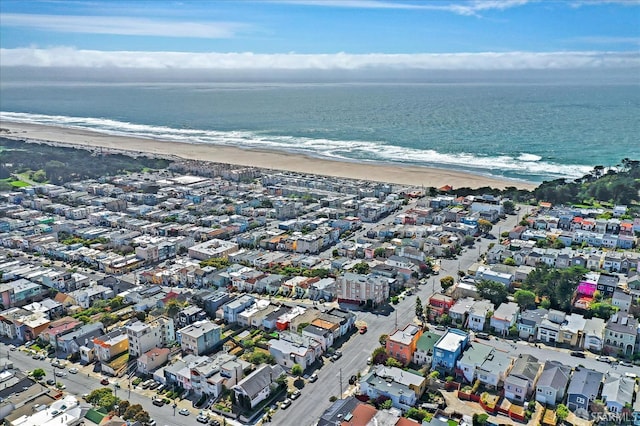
[(19, 184)]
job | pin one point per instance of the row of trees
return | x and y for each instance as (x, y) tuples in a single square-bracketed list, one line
[(104, 397)]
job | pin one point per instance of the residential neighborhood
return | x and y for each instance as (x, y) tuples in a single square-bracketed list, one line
[(227, 291)]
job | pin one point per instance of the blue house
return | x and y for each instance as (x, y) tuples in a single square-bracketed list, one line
[(448, 349), (583, 389)]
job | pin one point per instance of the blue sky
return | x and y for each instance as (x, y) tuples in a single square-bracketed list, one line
[(442, 34)]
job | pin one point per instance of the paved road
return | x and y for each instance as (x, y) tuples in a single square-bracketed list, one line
[(79, 384)]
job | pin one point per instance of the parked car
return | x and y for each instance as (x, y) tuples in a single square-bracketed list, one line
[(626, 364), (161, 388), (73, 370), (577, 354), (51, 382), (104, 382), (285, 404), (363, 329), (603, 358), (353, 379), (369, 361), (151, 423), (184, 412), (313, 377), (295, 394), (202, 419), (214, 422), (336, 356), (154, 385), (158, 402), (60, 374), (12, 347), (483, 336)]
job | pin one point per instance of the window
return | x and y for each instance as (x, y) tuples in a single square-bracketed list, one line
[(580, 400)]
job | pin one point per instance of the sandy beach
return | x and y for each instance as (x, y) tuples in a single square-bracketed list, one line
[(419, 176)]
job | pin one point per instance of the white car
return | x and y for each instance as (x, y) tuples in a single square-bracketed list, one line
[(73, 370), (184, 412), (60, 374)]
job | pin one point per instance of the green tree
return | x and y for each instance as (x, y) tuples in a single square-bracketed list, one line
[(361, 268), (142, 417), (509, 261), (386, 404), (562, 412), (446, 282), (525, 299), (392, 362), (602, 310), (383, 339), (493, 291), (419, 309), (172, 307), (38, 373), (296, 370), (484, 226), (380, 252), (508, 206), (116, 303), (479, 419), (132, 411)]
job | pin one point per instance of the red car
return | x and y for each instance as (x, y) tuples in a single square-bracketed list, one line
[(363, 329), (104, 382)]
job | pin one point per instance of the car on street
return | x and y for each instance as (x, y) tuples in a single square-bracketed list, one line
[(577, 354), (12, 347), (214, 422), (441, 327), (336, 356), (104, 382), (202, 419), (158, 402), (73, 370), (369, 361), (313, 377), (626, 364), (353, 379), (184, 412), (483, 336), (60, 374), (603, 358), (51, 382), (295, 394), (151, 423), (285, 404), (61, 386), (363, 329), (154, 385)]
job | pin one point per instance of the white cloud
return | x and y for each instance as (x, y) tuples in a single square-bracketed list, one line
[(71, 57), (122, 25), (468, 8)]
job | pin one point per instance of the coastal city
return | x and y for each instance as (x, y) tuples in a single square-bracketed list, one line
[(208, 293)]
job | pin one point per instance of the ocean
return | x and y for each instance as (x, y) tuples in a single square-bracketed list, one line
[(531, 132)]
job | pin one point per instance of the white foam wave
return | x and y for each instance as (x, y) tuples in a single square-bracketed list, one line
[(529, 157), (525, 165)]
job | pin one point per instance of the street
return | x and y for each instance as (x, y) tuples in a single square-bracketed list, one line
[(79, 384)]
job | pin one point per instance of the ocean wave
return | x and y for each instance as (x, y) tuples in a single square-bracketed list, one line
[(525, 166), (529, 157)]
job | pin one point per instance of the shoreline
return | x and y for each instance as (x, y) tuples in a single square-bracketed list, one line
[(267, 159)]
